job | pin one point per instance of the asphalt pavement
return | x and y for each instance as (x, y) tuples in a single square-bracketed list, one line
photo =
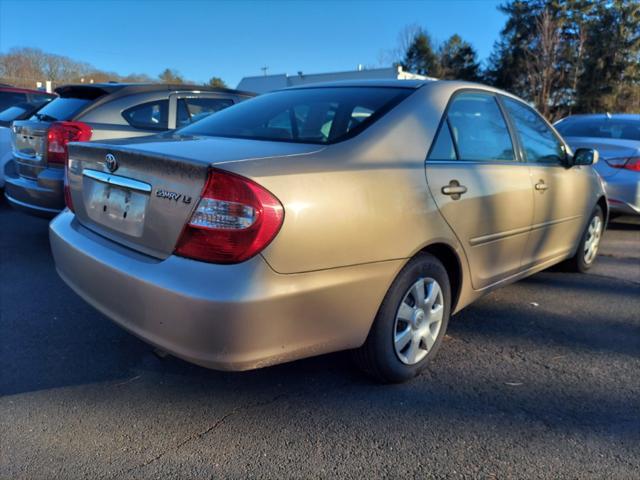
[(540, 379)]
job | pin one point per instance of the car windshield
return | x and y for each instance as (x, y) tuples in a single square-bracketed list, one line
[(624, 129), (309, 115)]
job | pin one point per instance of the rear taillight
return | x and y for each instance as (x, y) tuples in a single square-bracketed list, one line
[(628, 163), (60, 134), (235, 219)]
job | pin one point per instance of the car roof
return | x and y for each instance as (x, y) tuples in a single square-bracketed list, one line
[(451, 85), (364, 83), (9, 88), (603, 116), (129, 88)]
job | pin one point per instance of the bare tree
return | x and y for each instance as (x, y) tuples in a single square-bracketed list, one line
[(396, 55), (544, 72), (26, 66)]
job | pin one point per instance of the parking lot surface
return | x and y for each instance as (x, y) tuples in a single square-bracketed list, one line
[(539, 379)]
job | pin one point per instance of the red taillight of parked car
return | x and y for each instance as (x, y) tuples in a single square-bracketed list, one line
[(235, 219), (630, 163), (60, 134)]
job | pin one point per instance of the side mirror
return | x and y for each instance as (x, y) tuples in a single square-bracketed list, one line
[(585, 156)]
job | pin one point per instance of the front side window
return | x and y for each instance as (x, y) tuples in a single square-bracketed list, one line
[(479, 129), (193, 109), (148, 116), (538, 141), (308, 115)]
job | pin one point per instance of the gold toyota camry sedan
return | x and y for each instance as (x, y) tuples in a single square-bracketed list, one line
[(356, 215)]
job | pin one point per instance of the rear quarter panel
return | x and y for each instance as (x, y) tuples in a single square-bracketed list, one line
[(359, 201)]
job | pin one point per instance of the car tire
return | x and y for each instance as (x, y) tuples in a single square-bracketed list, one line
[(587, 250), (384, 355)]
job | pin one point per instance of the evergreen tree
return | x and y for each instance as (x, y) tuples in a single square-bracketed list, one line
[(570, 56), (216, 82), (170, 76), (459, 60), (420, 57), (610, 80)]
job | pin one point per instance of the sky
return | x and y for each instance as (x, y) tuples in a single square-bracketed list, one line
[(233, 39)]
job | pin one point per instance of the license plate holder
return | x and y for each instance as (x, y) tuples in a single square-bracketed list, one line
[(115, 207)]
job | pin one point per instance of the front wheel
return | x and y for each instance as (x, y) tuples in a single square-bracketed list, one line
[(589, 243), (410, 323)]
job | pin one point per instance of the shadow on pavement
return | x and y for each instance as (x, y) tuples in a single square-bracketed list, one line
[(52, 339)]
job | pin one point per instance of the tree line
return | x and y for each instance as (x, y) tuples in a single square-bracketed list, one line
[(24, 67), (564, 56)]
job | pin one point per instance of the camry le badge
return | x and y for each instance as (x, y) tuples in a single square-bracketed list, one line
[(173, 196), (111, 162)]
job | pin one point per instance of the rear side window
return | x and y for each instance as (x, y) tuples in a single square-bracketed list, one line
[(62, 108), (479, 129), (191, 110), (149, 116), (538, 141), (308, 115), (443, 148)]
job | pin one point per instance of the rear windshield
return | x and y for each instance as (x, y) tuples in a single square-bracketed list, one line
[(311, 115), (624, 129), (14, 112), (62, 109)]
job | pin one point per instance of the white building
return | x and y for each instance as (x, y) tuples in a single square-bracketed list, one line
[(267, 83)]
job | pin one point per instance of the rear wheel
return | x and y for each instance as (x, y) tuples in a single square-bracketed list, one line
[(589, 243), (410, 323)]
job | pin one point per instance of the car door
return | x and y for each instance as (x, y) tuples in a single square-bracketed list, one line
[(559, 193), (481, 188)]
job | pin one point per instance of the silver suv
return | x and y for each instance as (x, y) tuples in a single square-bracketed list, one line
[(35, 176)]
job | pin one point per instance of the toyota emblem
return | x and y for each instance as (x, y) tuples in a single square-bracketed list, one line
[(111, 162)]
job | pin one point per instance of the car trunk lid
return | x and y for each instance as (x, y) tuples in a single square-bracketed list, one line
[(131, 193)]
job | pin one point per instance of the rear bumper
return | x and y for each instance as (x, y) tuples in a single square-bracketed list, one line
[(42, 196), (229, 317)]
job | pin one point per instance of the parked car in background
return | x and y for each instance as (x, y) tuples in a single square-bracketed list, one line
[(617, 138), (16, 104), (16, 112), (10, 96), (307, 221), (87, 112)]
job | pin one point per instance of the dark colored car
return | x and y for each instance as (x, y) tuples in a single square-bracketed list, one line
[(10, 96), (34, 179)]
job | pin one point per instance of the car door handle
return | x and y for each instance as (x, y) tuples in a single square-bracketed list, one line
[(541, 186), (454, 189)]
